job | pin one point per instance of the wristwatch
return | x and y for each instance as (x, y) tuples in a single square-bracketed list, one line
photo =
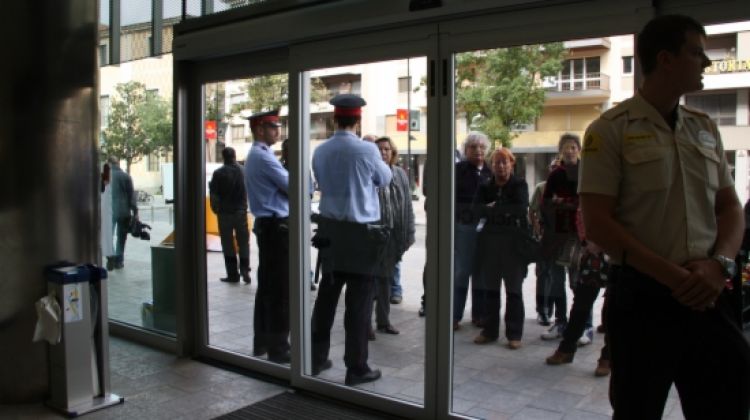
[(728, 266)]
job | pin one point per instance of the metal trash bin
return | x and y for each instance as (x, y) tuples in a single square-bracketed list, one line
[(78, 368)]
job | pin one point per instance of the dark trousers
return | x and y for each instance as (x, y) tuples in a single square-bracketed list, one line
[(383, 301), (466, 268), (357, 315), (231, 226), (271, 314), (121, 226), (552, 296), (498, 265), (704, 354), (584, 296)]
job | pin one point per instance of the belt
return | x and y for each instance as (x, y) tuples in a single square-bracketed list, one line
[(270, 220)]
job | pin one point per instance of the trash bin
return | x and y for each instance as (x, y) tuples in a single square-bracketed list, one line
[(78, 368)]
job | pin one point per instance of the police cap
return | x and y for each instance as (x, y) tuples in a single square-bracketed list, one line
[(265, 118), (347, 105)]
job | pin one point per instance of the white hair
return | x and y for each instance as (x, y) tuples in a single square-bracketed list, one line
[(475, 137)]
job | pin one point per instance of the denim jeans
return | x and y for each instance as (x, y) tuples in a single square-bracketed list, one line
[(396, 289)]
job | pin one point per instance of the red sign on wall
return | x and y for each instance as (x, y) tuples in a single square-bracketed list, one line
[(402, 119), (210, 130)]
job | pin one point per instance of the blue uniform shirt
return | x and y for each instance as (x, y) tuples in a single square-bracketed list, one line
[(348, 171), (267, 183)]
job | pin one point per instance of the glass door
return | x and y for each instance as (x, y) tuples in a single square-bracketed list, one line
[(364, 332), (518, 102)]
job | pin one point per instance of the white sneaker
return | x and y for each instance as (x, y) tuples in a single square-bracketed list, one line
[(586, 338), (555, 332)]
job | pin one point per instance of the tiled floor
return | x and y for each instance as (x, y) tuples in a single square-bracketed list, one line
[(490, 381), (157, 386)]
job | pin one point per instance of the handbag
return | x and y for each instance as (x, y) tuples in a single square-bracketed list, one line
[(528, 248)]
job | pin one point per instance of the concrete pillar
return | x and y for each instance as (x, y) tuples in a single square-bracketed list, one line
[(48, 167)]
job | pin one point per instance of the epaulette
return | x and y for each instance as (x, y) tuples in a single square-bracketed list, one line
[(694, 111), (615, 112)]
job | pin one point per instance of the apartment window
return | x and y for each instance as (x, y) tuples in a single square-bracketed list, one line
[(103, 55), (104, 105), (580, 74), (238, 133), (627, 64), (403, 84), (153, 162), (721, 107), (721, 47)]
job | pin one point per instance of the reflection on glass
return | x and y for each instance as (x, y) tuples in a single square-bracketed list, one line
[(514, 195), (247, 318), (387, 336), (137, 211)]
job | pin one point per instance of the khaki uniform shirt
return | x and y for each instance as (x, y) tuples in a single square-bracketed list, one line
[(665, 181)]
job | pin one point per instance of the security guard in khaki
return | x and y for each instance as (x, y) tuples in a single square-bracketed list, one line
[(665, 181), (657, 195)]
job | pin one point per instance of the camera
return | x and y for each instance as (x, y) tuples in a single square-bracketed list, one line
[(140, 230)]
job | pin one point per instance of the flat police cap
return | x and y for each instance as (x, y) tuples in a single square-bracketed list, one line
[(347, 105), (269, 118)]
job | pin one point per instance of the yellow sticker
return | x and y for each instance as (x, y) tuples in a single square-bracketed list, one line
[(591, 143), (635, 138)]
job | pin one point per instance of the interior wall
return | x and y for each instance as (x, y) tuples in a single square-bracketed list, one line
[(48, 166)]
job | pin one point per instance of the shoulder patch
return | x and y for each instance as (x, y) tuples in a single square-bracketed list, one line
[(591, 143)]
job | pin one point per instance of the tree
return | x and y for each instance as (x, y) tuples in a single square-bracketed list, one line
[(270, 92), (140, 123), (502, 88)]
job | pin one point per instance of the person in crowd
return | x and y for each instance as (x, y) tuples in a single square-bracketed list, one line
[(657, 196), (502, 204), (591, 276), (559, 207), (107, 240), (543, 305), (350, 241), (471, 173), (397, 213), (267, 184), (124, 210), (396, 289), (228, 200)]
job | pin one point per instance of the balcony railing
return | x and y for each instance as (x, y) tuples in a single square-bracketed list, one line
[(579, 82)]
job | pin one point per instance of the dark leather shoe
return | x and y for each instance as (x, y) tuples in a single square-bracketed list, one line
[(230, 279), (483, 339), (603, 368), (354, 379), (395, 300), (371, 334), (421, 310), (389, 329), (559, 358), (323, 366), (280, 358), (246, 276), (259, 351)]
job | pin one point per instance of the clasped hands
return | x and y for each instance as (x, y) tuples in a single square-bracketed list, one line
[(701, 284)]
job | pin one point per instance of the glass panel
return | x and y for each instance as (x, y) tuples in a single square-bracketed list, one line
[(136, 130), (508, 313), (396, 332), (247, 314)]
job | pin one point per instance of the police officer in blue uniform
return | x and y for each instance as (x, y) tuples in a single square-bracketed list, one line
[(267, 184), (229, 202), (348, 171)]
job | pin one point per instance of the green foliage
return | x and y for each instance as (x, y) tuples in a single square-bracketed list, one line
[(499, 89), (270, 92), (140, 123)]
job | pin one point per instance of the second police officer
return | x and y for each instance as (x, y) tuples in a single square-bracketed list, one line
[(348, 171)]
